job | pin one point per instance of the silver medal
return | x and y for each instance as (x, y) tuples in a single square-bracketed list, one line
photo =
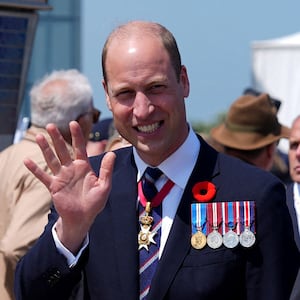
[(247, 238), (230, 239), (214, 239)]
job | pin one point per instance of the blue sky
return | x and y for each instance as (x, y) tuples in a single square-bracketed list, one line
[(214, 38)]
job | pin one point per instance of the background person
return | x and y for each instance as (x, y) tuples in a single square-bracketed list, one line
[(99, 136), (280, 166), (58, 98), (95, 227), (293, 190), (251, 130), (116, 141)]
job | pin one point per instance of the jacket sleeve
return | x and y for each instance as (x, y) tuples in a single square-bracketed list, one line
[(29, 210), (43, 273)]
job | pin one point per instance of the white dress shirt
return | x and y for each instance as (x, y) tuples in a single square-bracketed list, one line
[(297, 202)]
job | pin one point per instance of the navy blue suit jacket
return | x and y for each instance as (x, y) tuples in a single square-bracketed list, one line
[(291, 207), (110, 263)]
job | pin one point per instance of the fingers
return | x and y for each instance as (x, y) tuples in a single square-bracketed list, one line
[(59, 144), (106, 168), (50, 158), (37, 172), (78, 141)]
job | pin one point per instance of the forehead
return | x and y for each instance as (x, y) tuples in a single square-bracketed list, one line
[(295, 131), (136, 55), (295, 126), (131, 42)]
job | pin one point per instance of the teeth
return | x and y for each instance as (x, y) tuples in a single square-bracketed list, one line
[(148, 128)]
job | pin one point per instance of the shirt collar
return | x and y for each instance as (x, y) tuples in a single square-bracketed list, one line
[(296, 190), (178, 166)]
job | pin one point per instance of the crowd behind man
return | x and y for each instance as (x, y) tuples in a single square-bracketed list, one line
[(58, 98), (99, 136)]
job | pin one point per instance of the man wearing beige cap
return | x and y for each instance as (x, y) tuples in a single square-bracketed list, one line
[(251, 130)]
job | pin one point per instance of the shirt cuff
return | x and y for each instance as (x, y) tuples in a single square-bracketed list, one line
[(71, 259)]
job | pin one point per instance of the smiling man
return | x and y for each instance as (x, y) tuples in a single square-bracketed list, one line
[(133, 223)]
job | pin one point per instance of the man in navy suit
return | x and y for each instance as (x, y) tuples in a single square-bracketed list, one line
[(91, 242), (293, 191)]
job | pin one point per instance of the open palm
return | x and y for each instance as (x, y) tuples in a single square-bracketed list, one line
[(78, 194)]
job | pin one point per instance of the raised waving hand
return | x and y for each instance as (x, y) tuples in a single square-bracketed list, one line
[(78, 194)]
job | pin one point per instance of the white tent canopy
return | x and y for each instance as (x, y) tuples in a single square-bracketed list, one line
[(276, 70)]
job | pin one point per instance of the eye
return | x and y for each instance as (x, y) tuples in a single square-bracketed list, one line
[(124, 92), (157, 88), (125, 96), (294, 145)]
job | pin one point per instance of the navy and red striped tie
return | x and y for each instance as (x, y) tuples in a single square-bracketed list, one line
[(149, 257)]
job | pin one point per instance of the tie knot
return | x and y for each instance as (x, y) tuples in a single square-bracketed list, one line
[(152, 174), (148, 182)]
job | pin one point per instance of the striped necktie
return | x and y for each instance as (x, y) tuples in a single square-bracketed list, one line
[(149, 253)]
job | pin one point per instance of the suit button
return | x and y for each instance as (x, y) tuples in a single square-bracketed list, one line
[(53, 276)]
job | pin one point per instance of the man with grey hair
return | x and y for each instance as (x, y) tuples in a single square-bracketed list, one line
[(58, 98)]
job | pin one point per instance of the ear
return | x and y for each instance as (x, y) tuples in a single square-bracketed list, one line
[(271, 149), (184, 79), (107, 98)]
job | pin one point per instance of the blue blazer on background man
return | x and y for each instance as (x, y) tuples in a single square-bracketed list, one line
[(291, 207), (110, 263)]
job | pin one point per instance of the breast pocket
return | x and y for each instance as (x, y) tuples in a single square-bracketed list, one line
[(208, 256), (210, 274)]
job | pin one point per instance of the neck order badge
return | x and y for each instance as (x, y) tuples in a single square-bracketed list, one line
[(149, 240)]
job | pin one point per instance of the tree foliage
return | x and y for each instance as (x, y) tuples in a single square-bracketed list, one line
[(205, 127)]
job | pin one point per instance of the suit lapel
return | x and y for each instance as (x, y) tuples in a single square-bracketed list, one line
[(292, 211), (124, 222), (178, 243)]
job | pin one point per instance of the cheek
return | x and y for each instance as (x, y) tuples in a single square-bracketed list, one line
[(122, 118), (292, 157), (121, 112)]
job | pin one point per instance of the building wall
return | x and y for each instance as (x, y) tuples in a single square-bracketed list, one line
[(56, 44)]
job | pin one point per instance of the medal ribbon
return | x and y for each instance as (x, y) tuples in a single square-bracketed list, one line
[(198, 217), (157, 200), (213, 216), (237, 214), (252, 216), (249, 214), (246, 214), (224, 217), (231, 215)]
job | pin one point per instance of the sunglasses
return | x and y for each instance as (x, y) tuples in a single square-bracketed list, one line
[(95, 113)]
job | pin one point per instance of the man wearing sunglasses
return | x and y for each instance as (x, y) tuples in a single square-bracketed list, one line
[(58, 98)]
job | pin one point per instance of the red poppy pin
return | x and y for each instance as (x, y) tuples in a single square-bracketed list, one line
[(204, 191)]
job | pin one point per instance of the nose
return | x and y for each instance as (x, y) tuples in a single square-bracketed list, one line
[(298, 151), (142, 105)]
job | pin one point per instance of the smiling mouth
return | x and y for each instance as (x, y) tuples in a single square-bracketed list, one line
[(149, 128)]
